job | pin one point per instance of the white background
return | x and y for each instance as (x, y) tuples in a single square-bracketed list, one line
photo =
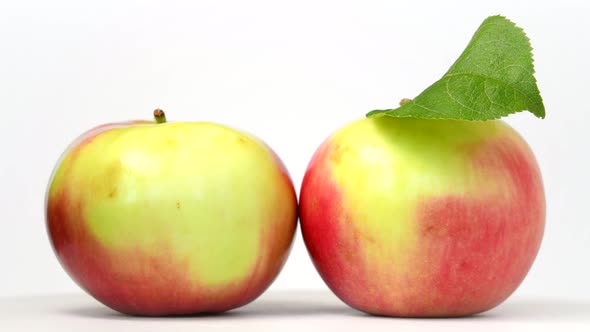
[(290, 72)]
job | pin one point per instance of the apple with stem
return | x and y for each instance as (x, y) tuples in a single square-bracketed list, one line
[(171, 218)]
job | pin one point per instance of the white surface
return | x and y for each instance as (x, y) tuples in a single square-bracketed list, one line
[(290, 72), (285, 311)]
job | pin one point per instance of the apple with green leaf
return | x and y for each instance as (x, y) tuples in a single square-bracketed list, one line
[(436, 208), (171, 218)]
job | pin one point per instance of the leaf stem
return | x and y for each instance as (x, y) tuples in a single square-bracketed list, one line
[(404, 101)]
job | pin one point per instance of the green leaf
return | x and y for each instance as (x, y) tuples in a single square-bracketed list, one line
[(492, 78)]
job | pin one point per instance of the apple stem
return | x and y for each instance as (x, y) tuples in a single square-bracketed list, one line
[(404, 101), (159, 116)]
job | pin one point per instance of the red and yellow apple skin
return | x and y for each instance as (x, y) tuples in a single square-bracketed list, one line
[(171, 218), (423, 218)]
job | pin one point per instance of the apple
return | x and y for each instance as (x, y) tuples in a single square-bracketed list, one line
[(421, 217), (171, 218)]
